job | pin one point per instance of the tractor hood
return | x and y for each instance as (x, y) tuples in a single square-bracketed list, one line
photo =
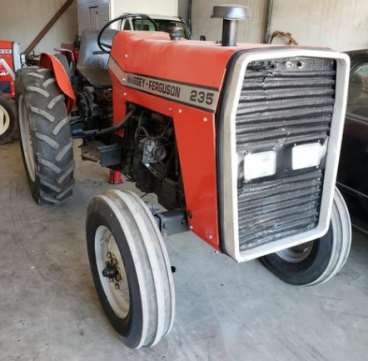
[(152, 55)]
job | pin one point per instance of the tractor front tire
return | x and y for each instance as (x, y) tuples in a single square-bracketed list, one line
[(130, 268), (317, 261), (46, 140), (8, 120)]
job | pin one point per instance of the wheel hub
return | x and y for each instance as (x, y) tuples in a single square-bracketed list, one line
[(112, 272), (296, 254), (4, 120)]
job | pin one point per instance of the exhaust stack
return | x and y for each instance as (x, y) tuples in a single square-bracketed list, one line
[(230, 14)]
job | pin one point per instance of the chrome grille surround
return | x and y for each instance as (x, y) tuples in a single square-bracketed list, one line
[(229, 157)]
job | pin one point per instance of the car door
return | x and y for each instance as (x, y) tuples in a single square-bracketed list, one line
[(353, 171)]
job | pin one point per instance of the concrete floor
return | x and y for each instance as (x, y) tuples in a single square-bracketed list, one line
[(49, 310)]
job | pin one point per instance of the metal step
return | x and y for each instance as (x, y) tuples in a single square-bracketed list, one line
[(108, 155)]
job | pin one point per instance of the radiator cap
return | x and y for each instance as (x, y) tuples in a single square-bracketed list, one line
[(231, 12), (230, 15)]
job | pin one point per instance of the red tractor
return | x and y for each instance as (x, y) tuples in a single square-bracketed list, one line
[(10, 62), (240, 143)]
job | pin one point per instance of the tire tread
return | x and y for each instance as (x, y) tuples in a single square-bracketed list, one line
[(51, 135)]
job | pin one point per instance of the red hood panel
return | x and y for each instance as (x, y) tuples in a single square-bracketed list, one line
[(154, 54)]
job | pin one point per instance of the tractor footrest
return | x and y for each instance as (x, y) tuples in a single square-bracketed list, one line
[(172, 222), (107, 155)]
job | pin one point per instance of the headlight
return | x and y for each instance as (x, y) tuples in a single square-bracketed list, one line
[(307, 155), (259, 165)]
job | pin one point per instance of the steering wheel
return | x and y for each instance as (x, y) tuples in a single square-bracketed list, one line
[(105, 47)]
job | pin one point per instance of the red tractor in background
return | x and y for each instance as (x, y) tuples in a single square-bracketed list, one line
[(10, 62), (240, 143)]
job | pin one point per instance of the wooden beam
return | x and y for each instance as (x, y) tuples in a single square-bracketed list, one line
[(48, 26)]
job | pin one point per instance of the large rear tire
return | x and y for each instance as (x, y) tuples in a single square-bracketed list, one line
[(318, 261), (130, 268), (8, 120), (46, 140)]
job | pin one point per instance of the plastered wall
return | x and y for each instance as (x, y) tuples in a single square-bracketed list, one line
[(338, 24), (21, 20)]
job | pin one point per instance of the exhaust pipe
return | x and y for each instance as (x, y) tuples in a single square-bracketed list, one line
[(230, 14)]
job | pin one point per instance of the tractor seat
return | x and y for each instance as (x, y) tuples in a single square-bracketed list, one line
[(92, 62)]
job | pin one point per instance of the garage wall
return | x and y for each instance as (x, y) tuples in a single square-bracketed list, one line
[(183, 9), (159, 7), (249, 31), (21, 20), (339, 24)]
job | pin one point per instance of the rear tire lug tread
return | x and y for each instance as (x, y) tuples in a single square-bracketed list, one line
[(48, 140), (43, 113), (50, 186), (38, 90), (66, 174), (51, 135), (48, 82), (66, 192), (51, 166), (44, 197), (60, 125), (54, 101), (64, 152), (43, 70), (36, 75)]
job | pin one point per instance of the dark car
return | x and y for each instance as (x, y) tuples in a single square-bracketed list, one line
[(353, 171)]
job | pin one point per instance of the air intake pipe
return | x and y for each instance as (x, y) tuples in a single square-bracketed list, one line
[(230, 14)]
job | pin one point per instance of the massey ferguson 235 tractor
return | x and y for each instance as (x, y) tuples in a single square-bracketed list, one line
[(240, 143), (10, 62)]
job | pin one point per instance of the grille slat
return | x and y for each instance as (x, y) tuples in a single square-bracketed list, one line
[(272, 183), (258, 146), (251, 73), (249, 107), (279, 107), (273, 83), (276, 224), (258, 126), (277, 199), (268, 208), (285, 114), (280, 133), (249, 193), (272, 94), (288, 229), (251, 221)]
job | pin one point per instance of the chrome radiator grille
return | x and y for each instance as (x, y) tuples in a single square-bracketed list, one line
[(283, 103)]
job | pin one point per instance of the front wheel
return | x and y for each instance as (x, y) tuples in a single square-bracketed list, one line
[(317, 261), (130, 268)]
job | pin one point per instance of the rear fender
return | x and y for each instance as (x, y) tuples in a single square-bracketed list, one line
[(62, 79)]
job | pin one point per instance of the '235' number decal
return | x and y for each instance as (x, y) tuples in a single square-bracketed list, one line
[(202, 97)]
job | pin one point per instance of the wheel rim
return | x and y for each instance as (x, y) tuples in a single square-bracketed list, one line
[(111, 272), (296, 254), (4, 120), (26, 138)]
